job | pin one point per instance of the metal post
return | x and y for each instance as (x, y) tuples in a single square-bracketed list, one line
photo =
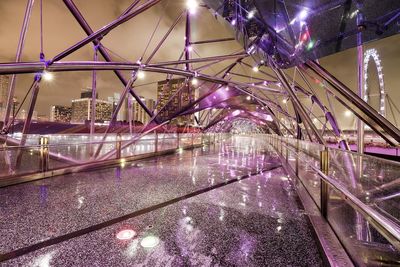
[(130, 114), (192, 139), (118, 146), (287, 150), (44, 153), (21, 43), (156, 141), (297, 157), (27, 123), (177, 141), (324, 190), (94, 93), (360, 78)]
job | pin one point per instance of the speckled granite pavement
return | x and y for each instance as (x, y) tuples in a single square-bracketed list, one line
[(253, 222)]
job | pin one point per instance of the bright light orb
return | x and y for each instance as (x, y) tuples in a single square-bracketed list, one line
[(47, 76), (251, 14), (284, 101), (190, 48), (195, 81), (248, 97), (192, 6), (347, 113), (255, 69), (150, 241), (126, 234), (141, 74), (303, 14)]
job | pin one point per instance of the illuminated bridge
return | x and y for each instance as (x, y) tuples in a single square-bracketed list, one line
[(239, 133)]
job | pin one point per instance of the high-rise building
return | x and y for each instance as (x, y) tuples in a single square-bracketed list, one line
[(23, 114), (60, 113), (138, 113), (87, 93), (81, 110), (169, 89), (122, 111), (4, 82)]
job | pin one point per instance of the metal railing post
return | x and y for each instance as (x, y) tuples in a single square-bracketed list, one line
[(324, 190), (192, 139), (287, 149), (118, 146), (44, 153), (155, 142), (177, 141), (297, 157)]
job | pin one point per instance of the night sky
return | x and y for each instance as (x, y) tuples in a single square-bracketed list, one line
[(128, 42)]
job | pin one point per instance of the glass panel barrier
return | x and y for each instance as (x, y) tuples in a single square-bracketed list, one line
[(374, 182)]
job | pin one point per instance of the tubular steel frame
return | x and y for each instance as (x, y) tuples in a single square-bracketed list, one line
[(262, 91)]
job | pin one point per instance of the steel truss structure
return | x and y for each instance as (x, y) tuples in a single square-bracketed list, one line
[(275, 100)]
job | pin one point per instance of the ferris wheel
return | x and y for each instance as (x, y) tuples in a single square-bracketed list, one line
[(368, 55)]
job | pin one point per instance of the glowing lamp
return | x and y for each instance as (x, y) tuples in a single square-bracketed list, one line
[(48, 76), (141, 74)]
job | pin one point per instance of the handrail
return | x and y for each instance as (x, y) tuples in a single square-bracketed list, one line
[(50, 145), (386, 227), (389, 229)]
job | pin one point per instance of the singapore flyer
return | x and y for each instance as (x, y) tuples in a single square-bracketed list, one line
[(368, 55)]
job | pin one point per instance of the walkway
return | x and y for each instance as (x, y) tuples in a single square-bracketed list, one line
[(228, 205)]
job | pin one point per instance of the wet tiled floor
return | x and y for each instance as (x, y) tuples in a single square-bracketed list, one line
[(251, 222)]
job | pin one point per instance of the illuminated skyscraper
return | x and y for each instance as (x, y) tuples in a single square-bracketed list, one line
[(138, 113), (81, 109), (60, 113), (169, 88), (4, 82)]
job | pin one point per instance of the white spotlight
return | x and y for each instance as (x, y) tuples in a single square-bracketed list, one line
[(303, 15), (250, 15), (141, 74), (347, 113), (192, 6), (195, 81), (48, 76), (255, 69)]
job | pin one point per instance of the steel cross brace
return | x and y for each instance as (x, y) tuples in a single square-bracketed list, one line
[(88, 30)]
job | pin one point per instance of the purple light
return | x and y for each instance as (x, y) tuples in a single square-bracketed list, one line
[(303, 15), (233, 22)]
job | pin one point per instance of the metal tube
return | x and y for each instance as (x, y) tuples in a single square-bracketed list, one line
[(360, 82), (21, 42), (187, 41), (324, 193), (213, 41), (94, 94), (105, 29), (187, 61), (299, 107), (163, 39), (88, 30), (33, 67), (27, 123)]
